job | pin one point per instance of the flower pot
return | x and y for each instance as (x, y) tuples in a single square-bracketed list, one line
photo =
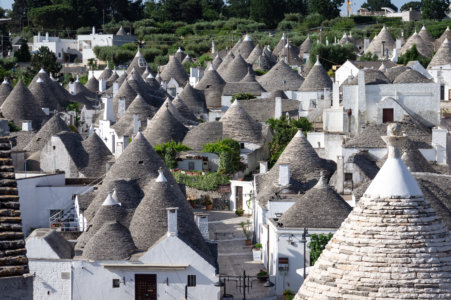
[(256, 254), (262, 278), (208, 206), (193, 204), (248, 242)]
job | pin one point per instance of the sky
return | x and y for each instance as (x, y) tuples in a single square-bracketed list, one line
[(355, 6)]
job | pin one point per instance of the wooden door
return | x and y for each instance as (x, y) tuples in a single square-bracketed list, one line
[(387, 115), (145, 286), (239, 197)]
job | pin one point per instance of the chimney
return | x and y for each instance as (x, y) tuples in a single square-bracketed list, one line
[(102, 85), (108, 113), (172, 220), (335, 95), (398, 44), (284, 174), (121, 107), (115, 88), (327, 41), (201, 220), (4, 128), (136, 124), (366, 43), (263, 166), (339, 185), (93, 30), (46, 36), (39, 36), (26, 125), (278, 108), (213, 47)]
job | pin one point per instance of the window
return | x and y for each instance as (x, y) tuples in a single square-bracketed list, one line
[(116, 283), (191, 165), (173, 91), (348, 176), (191, 280), (387, 115), (283, 263), (242, 145)]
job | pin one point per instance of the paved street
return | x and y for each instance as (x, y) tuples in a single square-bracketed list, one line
[(234, 256)]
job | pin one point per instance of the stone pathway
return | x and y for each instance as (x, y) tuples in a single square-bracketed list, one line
[(234, 256)]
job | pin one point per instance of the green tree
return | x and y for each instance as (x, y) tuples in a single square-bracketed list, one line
[(237, 9), (317, 244), (52, 16), (415, 5), (229, 155), (332, 54), (283, 130), (328, 8), (46, 59), (270, 12), (376, 5), (413, 54), (23, 54), (369, 57), (434, 9), (168, 152)]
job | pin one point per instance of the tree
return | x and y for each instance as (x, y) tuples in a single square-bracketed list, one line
[(413, 54), (283, 131), (369, 57), (434, 9), (23, 54), (237, 9), (376, 5), (52, 16), (317, 244), (270, 12), (332, 54), (46, 59), (229, 155), (328, 8), (415, 5), (168, 152)]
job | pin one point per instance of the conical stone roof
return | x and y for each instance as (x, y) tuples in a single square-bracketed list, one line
[(306, 45), (426, 37), (394, 72), (20, 105), (319, 207), (139, 107), (187, 60), (112, 242), (238, 125), (98, 156), (411, 76), (125, 92), (53, 126), (194, 98), (183, 109), (280, 45), (236, 70), (443, 55), (217, 61), (180, 55), (92, 84), (375, 46), (281, 77), (139, 162), (445, 35), (371, 77), (114, 76), (164, 127), (204, 133), (393, 245), (138, 62), (317, 79), (236, 46), (5, 89), (43, 95), (174, 69), (212, 84), (226, 61), (121, 31), (246, 47), (146, 73), (255, 54), (422, 47), (107, 72)]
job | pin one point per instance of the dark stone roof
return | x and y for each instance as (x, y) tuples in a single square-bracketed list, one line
[(426, 37), (72, 143), (212, 84), (246, 47), (232, 88), (371, 77), (423, 48), (263, 109), (305, 169), (20, 105), (53, 126), (92, 84), (124, 126), (370, 135), (183, 109), (394, 72), (443, 55), (316, 80), (150, 221), (306, 45), (44, 96), (255, 54), (138, 62), (445, 35), (280, 73), (216, 62), (107, 72), (198, 136), (125, 92), (238, 125), (194, 98), (15, 262), (180, 55), (226, 61), (366, 163), (280, 45), (236, 70), (291, 55), (56, 241), (112, 242), (119, 82), (372, 64), (20, 139), (319, 207), (98, 156), (139, 161), (264, 62), (5, 89), (174, 69), (376, 44), (121, 31), (411, 76), (112, 79), (164, 127)]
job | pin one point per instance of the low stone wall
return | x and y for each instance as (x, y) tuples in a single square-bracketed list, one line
[(220, 201)]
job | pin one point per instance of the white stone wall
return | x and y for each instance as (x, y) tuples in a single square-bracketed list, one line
[(276, 208), (248, 191), (333, 120), (442, 75), (54, 156), (184, 164), (53, 279), (316, 139), (344, 71)]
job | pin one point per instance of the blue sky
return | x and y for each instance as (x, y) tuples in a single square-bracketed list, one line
[(355, 6)]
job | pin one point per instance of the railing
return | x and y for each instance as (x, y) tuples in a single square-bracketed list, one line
[(65, 219)]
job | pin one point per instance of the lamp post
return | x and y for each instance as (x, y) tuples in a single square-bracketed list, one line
[(305, 234), (243, 282)]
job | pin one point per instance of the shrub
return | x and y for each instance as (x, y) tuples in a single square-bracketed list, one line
[(207, 182)]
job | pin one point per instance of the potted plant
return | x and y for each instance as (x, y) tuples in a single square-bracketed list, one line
[(257, 252), (207, 202), (247, 232), (192, 202), (288, 295), (262, 275), (239, 212)]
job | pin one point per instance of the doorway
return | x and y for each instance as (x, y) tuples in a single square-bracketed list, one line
[(387, 115), (145, 287), (239, 197)]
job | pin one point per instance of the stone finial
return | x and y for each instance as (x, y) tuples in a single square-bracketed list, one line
[(161, 177), (394, 140)]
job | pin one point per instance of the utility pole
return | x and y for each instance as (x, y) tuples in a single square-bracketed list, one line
[(348, 5)]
